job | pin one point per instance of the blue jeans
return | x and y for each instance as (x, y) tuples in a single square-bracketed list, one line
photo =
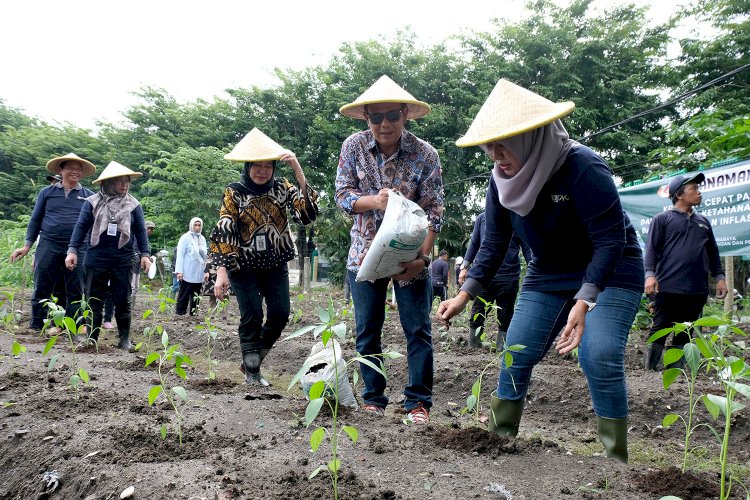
[(539, 317), (414, 302), (251, 287)]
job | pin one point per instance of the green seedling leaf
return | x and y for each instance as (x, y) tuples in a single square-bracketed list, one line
[(516, 347), (352, 432), (152, 357), (326, 337), (17, 349), (392, 355), (659, 334), (704, 348), (692, 357), (312, 410), (52, 363), (180, 371), (147, 313), (84, 375), (163, 431), (324, 316), (333, 465), (669, 376), (138, 346), (317, 389), (741, 388), (672, 355), (710, 321), (181, 392), (476, 388), (301, 331), (211, 375), (714, 404), (70, 324), (316, 438), (164, 339), (147, 331), (370, 364), (737, 366), (316, 471), (471, 402), (508, 359), (339, 330), (153, 393), (670, 419), (75, 380)]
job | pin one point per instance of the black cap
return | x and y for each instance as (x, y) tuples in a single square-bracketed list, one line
[(681, 180), (55, 178)]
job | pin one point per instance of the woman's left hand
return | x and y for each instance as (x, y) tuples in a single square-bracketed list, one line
[(411, 269), (571, 335)]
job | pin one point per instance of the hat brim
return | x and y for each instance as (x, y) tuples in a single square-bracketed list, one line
[(242, 159), (102, 179), (356, 109), (476, 138), (54, 165)]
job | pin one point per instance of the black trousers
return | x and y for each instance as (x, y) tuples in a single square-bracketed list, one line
[(189, 296), (503, 293), (49, 268), (671, 308), (99, 281)]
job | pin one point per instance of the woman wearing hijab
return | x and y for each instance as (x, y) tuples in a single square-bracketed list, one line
[(252, 243), (583, 280), (190, 261), (114, 218)]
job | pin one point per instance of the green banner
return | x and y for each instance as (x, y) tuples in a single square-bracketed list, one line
[(726, 204)]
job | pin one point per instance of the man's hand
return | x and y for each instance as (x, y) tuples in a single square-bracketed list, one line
[(19, 253), (411, 269), (651, 286), (179, 276), (145, 263), (462, 276), (721, 289), (449, 308), (71, 261), (381, 199)]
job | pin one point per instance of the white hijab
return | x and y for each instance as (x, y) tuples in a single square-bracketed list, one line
[(541, 152)]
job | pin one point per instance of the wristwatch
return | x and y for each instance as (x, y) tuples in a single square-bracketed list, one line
[(426, 258), (591, 305), (466, 264)]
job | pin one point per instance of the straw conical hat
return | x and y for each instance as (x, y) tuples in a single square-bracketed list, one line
[(384, 90), (113, 170), (54, 164), (511, 110), (256, 146)]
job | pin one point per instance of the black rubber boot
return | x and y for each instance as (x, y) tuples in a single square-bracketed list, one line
[(613, 433), (475, 337), (124, 342), (653, 356), (251, 361), (505, 415)]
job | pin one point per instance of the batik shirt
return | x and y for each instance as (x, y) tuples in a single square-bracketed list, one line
[(413, 170), (248, 222)]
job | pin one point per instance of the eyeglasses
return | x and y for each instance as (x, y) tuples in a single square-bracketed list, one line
[(392, 116)]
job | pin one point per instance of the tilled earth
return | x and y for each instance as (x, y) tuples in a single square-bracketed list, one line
[(249, 442)]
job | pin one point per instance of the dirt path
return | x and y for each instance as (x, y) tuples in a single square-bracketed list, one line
[(251, 443)]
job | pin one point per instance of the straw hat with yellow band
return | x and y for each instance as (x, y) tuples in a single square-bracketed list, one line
[(54, 164), (256, 146), (511, 110), (384, 90), (113, 170)]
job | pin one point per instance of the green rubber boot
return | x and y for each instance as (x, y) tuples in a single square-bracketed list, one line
[(613, 433), (505, 415)]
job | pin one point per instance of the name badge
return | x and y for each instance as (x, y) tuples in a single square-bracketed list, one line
[(260, 243), (111, 229)]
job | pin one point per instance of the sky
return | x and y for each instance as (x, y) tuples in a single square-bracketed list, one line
[(79, 61)]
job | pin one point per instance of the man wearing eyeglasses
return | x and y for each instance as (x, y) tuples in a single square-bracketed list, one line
[(387, 156)]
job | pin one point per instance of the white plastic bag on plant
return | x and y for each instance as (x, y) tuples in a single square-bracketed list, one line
[(323, 367), (399, 239)]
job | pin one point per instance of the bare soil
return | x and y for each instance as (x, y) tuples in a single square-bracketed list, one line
[(249, 442)]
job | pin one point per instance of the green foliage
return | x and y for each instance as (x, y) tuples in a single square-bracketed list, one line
[(72, 329), (175, 395), (323, 391), (212, 332), (715, 352)]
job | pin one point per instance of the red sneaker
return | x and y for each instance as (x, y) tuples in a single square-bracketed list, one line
[(418, 415), (378, 411)]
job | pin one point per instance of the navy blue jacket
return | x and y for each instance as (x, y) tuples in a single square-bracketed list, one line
[(579, 235), (439, 272), (680, 251), (106, 254), (55, 214)]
